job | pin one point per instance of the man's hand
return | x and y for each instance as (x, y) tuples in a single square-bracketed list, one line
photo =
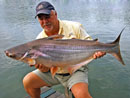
[(98, 54), (41, 67)]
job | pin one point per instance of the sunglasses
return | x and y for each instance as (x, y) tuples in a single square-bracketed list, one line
[(43, 16)]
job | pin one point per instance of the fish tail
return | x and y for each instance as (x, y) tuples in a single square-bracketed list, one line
[(116, 52), (118, 56)]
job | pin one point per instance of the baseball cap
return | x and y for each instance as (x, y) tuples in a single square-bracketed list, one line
[(44, 7)]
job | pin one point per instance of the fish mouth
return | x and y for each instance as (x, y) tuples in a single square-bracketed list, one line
[(10, 54)]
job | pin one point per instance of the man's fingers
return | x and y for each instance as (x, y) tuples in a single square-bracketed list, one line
[(31, 65), (102, 53), (40, 66), (37, 66), (98, 54), (94, 56)]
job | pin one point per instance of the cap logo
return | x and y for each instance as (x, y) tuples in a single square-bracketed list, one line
[(40, 6)]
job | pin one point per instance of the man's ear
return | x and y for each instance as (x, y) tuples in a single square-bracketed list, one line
[(53, 12)]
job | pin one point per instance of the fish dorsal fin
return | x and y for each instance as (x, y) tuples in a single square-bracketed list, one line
[(96, 39), (58, 36)]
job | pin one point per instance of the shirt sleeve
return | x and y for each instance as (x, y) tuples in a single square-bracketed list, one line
[(82, 34), (40, 35)]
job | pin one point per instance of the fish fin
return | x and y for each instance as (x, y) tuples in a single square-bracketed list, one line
[(53, 71), (31, 61), (116, 52), (77, 66), (58, 36), (96, 39), (26, 53), (118, 56), (36, 53)]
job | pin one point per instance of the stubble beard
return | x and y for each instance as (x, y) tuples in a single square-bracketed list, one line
[(48, 29)]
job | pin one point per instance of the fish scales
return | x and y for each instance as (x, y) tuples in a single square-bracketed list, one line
[(69, 54), (60, 52), (64, 54)]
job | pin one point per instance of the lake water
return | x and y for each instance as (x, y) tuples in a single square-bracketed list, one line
[(102, 19)]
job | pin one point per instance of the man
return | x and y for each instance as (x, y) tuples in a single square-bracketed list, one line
[(77, 83)]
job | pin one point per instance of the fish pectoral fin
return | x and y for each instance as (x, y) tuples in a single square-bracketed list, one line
[(34, 53), (72, 69), (26, 53), (31, 61), (53, 71), (58, 36)]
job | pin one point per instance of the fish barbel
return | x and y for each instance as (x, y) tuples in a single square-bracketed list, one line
[(69, 54)]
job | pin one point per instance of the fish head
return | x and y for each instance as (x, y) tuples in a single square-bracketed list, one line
[(17, 52)]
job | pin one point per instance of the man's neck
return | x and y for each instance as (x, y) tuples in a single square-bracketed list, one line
[(55, 30)]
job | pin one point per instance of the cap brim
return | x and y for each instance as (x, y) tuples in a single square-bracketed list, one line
[(47, 12)]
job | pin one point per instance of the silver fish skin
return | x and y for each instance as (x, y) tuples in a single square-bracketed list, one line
[(69, 54)]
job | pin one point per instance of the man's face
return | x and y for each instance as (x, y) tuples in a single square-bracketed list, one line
[(47, 22)]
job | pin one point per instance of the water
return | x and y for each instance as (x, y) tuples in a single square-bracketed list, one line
[(102, 19)]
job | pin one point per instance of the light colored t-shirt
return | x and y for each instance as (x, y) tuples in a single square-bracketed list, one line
[(70, 30)]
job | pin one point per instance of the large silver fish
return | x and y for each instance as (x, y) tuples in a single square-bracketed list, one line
[(69, 54)]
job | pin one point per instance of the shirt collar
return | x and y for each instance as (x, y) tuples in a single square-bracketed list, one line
[(61, 27)]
